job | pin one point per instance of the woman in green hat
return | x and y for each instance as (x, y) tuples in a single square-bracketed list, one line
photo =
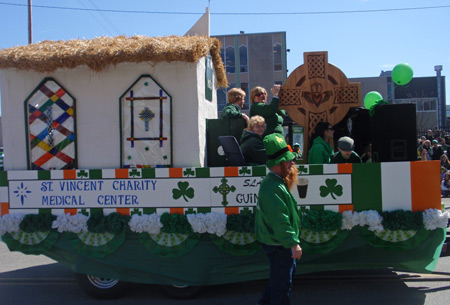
[(277, 221)]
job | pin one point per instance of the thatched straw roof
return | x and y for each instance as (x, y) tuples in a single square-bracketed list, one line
[(47, 56)]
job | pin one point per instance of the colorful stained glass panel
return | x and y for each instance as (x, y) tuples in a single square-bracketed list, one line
[(51, 127)]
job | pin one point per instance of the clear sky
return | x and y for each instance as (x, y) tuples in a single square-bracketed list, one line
[(362, 37)]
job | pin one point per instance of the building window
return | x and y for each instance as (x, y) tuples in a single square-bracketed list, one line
[(422, 104), (243, 59), (230, 63), (429, 105), (277, 65)]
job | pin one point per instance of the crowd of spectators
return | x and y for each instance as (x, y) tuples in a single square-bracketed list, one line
[(435, 145)]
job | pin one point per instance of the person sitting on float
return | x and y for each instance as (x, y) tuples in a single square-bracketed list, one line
[(297, 151), (321, 150), (252, 145), (345, 153), (274, 118), (235, 102)]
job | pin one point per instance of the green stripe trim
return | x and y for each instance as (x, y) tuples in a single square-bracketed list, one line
[(3, 178), (204, 210), (319, 207), (259, 171), (202, 173), (366, 187), (95, 174), (316, 169), (149, 211), (148, 173), (43, 175)]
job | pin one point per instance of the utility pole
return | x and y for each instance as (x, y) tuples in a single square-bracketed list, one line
[(30, 27)]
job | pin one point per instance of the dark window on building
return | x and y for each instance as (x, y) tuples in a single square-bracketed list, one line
[(243, 59), (277, 66), (230, 63)]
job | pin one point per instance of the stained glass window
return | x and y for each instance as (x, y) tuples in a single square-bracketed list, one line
[(146, 125), (51, 127)]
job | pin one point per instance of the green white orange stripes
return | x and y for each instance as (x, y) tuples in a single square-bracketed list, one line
[(377, 186)]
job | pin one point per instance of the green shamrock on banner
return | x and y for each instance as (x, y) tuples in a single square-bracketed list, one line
[(82, 174), (134, 173), (331, 188), (188, 172), (184, 190), (302, 169)]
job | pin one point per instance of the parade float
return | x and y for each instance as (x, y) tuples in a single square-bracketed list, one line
[(106, 171)]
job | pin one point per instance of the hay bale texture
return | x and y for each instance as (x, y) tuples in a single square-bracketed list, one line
[(98, 53)]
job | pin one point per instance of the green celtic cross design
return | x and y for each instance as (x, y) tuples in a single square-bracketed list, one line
[(224, 189)]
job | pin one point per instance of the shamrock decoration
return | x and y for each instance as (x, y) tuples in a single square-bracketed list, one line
[(189, 172), (134, 173), (136, 212), (302, 169), (82, 174), (184, 190), (331, 188), (244, 171)]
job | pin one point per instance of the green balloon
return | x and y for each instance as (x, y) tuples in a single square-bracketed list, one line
[(402, 74), (372, 98)]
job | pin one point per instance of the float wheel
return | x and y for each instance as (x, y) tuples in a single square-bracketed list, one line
[(100, 287)]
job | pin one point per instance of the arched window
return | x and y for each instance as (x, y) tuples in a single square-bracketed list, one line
[(243, 58), (50, 112), (146, 125), (277, 65), (230, 62)]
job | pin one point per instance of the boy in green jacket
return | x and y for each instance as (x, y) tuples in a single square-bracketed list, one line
[(277, 221), (235, 102)]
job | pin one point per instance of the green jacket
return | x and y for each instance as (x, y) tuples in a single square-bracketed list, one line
[(231, 111), (277, 221), (273, 117), (337, 158), (252, 147), (320, 152)]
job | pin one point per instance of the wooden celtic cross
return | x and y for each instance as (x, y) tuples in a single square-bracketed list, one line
[(318, 91)]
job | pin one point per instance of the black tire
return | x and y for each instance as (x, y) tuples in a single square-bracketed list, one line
[(180, 292), (99, 287)]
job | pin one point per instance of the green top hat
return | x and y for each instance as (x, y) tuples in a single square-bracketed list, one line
[(277, 150)]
